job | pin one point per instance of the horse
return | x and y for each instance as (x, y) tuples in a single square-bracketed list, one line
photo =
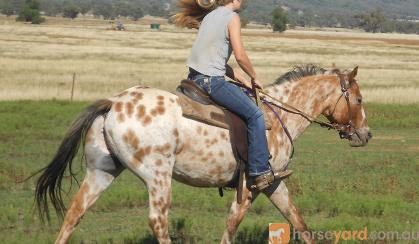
[(143, 130)]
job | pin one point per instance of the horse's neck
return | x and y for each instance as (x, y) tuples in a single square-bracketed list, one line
[(310, 95)]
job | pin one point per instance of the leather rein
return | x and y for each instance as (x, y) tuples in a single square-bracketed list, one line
[(344, 130)]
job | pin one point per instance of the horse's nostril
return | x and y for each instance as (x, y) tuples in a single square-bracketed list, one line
[(369, 135)]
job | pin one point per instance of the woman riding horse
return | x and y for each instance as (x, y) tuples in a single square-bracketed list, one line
[(219, 35)]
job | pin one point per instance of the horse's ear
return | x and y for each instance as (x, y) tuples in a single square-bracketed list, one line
[(353, 74)]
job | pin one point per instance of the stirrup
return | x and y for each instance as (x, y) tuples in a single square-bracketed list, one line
[(263, 181)]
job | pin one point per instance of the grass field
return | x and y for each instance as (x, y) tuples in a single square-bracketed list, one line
[(335, 187), (38, 61)]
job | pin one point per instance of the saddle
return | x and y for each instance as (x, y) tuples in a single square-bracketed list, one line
[(197, 105)]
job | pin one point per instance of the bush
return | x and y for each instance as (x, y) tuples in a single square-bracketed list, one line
[(71, 11), (279, 20), (30, 13)]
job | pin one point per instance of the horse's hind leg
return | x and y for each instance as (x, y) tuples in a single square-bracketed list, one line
[(157, 175), (101, 171), (237, 213), (280, 197)]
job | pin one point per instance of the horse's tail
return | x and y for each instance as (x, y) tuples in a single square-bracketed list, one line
[(49, 183)]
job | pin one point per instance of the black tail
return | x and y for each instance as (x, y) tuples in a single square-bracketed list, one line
[(49, 183)]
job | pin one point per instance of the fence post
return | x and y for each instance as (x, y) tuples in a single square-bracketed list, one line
[(72, 86)]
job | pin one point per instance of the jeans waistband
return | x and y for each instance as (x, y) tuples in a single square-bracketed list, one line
[(194, 73)]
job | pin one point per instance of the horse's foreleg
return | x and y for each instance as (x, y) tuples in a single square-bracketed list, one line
[(236, 215), (280, 197)]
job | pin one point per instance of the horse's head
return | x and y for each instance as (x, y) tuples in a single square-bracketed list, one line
[(346, 110)]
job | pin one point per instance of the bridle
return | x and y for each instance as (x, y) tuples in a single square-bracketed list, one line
[(346, 131)]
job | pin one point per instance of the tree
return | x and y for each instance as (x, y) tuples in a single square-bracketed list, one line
[(71, 11), (30, 12), (84, 5), (11, 7), (244, 21), (105, 9), (372, 21), (136, 13), (279, 20)]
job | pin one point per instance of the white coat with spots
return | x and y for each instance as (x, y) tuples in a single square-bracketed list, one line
[(143, 130)]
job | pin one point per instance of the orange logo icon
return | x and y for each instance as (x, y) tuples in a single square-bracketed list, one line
[(279, 233)]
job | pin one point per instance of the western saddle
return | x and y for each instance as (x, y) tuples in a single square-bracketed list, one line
[(196, 104)]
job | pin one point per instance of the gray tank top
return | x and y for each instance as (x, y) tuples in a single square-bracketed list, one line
[(212, 49)]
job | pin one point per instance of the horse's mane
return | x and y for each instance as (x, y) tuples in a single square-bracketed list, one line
[(301, 71)]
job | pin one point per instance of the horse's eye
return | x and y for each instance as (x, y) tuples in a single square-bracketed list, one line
[(359, 100)]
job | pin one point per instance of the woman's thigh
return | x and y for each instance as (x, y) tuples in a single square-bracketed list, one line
[(233, 98)]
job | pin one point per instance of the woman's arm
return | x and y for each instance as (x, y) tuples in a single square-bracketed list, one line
[(235, 75), (234, 30)]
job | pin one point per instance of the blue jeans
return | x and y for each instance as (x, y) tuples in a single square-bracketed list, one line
[(234, 99)]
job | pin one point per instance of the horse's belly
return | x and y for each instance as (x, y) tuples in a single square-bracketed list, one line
[(206, 159)]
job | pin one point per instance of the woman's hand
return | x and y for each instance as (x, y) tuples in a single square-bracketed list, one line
[(257, 83)]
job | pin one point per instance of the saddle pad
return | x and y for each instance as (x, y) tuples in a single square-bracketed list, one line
[(209, 114)]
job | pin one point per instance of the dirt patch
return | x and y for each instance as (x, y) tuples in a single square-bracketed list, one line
[(335, 38)]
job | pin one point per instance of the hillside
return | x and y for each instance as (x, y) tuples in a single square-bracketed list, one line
[(259, 10)]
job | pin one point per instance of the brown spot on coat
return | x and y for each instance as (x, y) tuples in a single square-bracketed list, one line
[(176, 132), (160, 110), (140, 112), (217, 170), (118, 107), (224, 136), (162, 149), (147, 120), (159, 162), (131, 139), (130, 108), (140, 154)]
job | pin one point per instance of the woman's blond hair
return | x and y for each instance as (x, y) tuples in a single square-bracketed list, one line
[(191, 14)]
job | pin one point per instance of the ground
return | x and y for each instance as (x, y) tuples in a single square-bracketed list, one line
[(38, 61), (335, 187)]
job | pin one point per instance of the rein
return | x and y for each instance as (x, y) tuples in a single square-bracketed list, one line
[(340, 128)]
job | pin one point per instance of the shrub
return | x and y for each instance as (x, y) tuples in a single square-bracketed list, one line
[(279, 20), (71, 11), (30, 13)]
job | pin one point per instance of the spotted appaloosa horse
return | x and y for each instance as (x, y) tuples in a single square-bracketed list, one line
[(143, 129)]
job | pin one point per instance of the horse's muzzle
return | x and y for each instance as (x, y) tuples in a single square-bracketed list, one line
[(360, 137)]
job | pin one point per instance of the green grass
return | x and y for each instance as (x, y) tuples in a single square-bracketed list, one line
[(335, 187)]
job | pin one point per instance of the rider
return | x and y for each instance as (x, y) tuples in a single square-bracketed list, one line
[(219, 35)]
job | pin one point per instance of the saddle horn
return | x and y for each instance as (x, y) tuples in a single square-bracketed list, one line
[(206, 4)]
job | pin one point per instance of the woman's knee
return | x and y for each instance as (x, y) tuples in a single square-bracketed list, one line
[(257, 116)]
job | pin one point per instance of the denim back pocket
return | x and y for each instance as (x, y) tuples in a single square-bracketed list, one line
[(204, 83)]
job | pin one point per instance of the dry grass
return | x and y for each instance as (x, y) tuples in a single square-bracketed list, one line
[(37, 62)]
